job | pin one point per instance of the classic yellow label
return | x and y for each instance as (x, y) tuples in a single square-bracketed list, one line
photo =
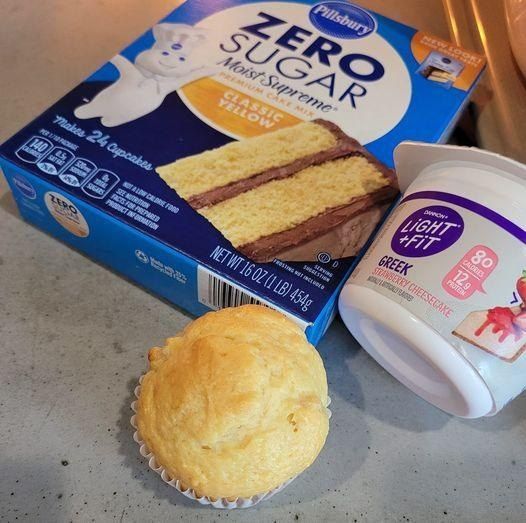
[(238, 113)]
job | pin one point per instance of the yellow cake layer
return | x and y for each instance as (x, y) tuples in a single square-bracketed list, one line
[(238, 160), (283, 204)]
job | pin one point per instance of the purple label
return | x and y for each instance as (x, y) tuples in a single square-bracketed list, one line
[(428, 231), (472, 206)]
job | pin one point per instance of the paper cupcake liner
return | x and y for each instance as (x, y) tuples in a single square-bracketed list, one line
[(190, 493)]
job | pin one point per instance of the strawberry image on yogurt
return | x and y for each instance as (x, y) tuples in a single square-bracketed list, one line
[(521, 288), (501, 331)]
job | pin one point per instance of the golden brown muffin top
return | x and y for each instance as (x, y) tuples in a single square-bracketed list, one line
[(235, 405)]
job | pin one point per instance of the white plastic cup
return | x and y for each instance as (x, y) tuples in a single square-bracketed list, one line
[(430, 295)]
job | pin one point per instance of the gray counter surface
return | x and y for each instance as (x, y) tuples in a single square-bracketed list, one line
[(74, 337)]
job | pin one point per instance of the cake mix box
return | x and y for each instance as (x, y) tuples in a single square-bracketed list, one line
[(240, 151)]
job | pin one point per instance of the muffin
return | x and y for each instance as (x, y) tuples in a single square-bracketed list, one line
[(235, 405)]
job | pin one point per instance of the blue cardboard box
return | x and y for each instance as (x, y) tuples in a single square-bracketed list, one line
[(89, 169)]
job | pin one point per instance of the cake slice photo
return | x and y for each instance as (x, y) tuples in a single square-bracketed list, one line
[(438, 75), (501, 331), (289, 194), (495, 331)]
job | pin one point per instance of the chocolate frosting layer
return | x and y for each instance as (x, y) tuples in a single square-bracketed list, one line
[(267, 248), (345, 146)]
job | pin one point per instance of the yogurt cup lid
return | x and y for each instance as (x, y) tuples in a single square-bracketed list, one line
[(411, 158)]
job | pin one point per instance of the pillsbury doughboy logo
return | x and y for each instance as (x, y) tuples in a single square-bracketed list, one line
[(156, 72), (427, 231), (342, 20)]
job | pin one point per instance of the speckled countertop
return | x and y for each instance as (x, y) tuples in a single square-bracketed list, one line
[(74, 335)]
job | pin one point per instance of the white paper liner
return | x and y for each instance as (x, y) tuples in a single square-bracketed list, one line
[(190, 493)]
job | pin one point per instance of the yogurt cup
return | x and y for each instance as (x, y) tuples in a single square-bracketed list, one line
[(439, 297)]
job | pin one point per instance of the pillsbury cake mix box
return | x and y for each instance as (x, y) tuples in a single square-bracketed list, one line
[(240, 151)]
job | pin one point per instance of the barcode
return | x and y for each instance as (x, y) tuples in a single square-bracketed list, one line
[(222, 294), (217, 292)]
